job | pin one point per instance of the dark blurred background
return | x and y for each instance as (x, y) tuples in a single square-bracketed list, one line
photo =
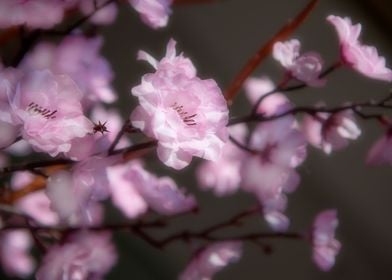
[(219, 37)]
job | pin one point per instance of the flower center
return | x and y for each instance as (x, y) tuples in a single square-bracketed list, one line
[(36, 109), (187, 118)]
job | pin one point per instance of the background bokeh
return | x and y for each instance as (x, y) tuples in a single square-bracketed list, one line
[(219, 38)]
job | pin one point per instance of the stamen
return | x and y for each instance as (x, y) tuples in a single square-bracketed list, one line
[(45, 112), (186, 118)]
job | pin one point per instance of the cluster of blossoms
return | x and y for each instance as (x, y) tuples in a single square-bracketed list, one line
[(52, 103)]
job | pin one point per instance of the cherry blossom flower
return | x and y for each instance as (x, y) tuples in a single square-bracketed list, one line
[(325, 246), (79, 58), (330, 131), (306, 67), (48, 108), (154, 13), (271, 105), (36, 204), (105, 15), (362, 58), (211, 260), (381, 151), (161, 194), (270, 173), (8, 130), (187, 115), (15, 258), (75, 194), (85, 255), (124, 193), (223, 176), (34, 14)]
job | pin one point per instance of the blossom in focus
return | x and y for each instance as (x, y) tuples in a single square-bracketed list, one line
[(270, 105), (48, 109), (187, 115), (330, 131), (154, 13), (34, 14), (85, 255), (161, 194), (15, 257), (362, 58), (306, 67), (223, 176), (270, 172), (381, 151), (211, 260), (79, 58), (325, 246)]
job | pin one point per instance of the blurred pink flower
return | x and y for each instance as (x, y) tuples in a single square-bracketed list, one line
[(124, 192), (330, 131), (9, 131), (75, 194), (223, 176), (161, 194), (48, 108), (306, 67), (35, 204), (211, 260), (381, 151), (325, 246), (270, 173), (34, 14), (15, 257), (78, 57), (271, 105), (187, 115), (85, 255), (154, 13), (362, 58), (105, 15)]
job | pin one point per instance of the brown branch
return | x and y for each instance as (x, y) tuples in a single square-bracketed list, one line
[(355, 107), (266, 49)]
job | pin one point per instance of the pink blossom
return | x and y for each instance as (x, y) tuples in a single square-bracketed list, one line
[(34, 14), (85, 255), (330, 131), (161, 194), (154, 13), (362, 58), (75, 195), (223, 176), (105, 15), (124, 192), (306, 67), (14, 253), (8, 130), (187, 115), (48, 108), (325, 246), (271, 105), (211, 260), (35, 204), (79, 58), (270, 173), (381, 151)]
